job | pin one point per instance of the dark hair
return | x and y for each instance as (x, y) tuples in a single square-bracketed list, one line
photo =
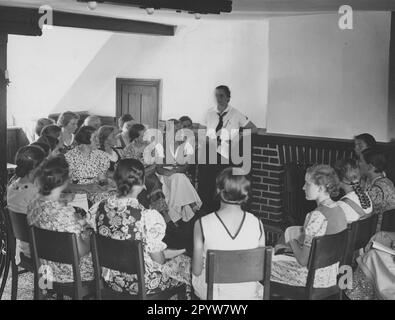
[(224, 88), (128, 173), (51, 130), (43, 144), (185, 118), (41, 123), (84, 135), (28, 158), (48, 143), (135, 130), (376, 158), (124, 118), (369, 140), (325, 176), (233, 189), (52, 173), (348, 172), (66, 117), (103, 133)]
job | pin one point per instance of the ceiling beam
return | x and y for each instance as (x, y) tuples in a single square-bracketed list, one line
[(193, 6), (25, 21)]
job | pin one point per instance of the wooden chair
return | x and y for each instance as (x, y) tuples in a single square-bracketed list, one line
[(388, 222), (239, 266), (18, 229), (59, 247), (124, 256), (359, 234), (325, 251)]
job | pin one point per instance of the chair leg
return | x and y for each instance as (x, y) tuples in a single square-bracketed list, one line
[(14, 286), (182, 293), (5, 276)]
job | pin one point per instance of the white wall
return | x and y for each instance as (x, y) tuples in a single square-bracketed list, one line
[(327, 82), (72, 69)]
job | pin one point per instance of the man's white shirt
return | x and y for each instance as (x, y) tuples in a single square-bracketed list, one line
[(233, 120)]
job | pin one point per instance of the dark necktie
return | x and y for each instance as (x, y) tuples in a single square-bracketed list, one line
[(220, 122)]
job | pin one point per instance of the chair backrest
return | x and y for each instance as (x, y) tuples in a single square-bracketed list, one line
[(388, 222), (120, 255), (238, 266), (325, 251), (363, 230), (58, 247), (19, 226)]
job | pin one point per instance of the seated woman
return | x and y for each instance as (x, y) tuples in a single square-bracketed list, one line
[(380, 189), (124, 138), (328, 218), (22, 190), (363, 142), (122, 217), (50, 213), (87, 164), (181, 197), (68, 121), (356, 203), (40, 124), (230, 228), (153, 196), (52, 130), (107, 138), (375, 276)]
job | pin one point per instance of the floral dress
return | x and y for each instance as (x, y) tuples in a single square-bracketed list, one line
[(86, 170), (154, 196), (57, 216), (125, 218), (382, 192), (287, 270)]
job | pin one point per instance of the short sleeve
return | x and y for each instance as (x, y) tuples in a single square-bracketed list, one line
[(155, 229), (242, 119), (315, 226), (376, 194)]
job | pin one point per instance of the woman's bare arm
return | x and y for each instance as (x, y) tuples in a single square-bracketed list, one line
[(197, 261)]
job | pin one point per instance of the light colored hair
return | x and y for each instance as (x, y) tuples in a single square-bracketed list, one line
[(66, 117), (233, 189), (325, 176), (93, 121)]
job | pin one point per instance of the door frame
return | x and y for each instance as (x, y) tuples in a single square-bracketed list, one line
[(158, 83)]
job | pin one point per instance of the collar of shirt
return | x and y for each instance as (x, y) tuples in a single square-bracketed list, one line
[(226, 110)]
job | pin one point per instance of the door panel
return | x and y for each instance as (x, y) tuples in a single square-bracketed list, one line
[(140, 98)]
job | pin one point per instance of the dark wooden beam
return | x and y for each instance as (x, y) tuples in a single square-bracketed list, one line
[(193, 6), (3, 110), (391, 81), (26, 21)]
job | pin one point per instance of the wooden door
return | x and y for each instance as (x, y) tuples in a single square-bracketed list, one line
[(140, 98)]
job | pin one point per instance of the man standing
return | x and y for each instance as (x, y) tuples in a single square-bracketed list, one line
[(223, 123)]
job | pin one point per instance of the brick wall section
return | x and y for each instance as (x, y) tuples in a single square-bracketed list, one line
[(267, 186)]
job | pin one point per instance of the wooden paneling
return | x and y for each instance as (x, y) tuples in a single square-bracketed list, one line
[(391, 82), (3, 109)]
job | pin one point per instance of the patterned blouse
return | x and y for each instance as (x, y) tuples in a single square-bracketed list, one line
[(61, 217), (86, 170), (125, 218), (382, 192), (290, 272)]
